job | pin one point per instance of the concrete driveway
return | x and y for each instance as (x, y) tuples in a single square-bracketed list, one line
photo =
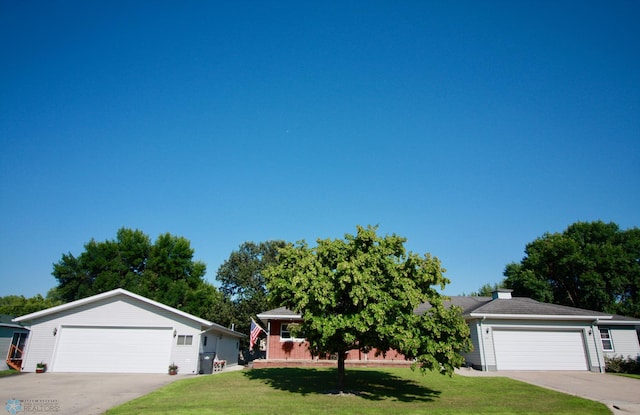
[(77, 393), (620, 394)]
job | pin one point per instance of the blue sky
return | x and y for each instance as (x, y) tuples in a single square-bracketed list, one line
[(470, 128)]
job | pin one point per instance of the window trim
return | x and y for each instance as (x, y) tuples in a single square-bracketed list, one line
[(605, 336), (284, 328), (185, 340)]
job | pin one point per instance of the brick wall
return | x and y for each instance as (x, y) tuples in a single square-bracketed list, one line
[(279, 349)]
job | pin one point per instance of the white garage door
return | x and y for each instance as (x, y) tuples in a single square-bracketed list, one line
[(539, 350), (113, 349)]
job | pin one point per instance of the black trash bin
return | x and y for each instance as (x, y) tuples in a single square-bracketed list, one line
[(206, 363)]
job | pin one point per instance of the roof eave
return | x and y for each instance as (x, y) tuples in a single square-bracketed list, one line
[(279, 316), (108, 294), (622, 322), (218, 327), (538, 317), (13, 326)]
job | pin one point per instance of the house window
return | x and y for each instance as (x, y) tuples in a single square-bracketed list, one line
[(607, 343), (185, 340), (285, 334)]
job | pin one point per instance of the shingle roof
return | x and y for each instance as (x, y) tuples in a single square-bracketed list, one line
[(514, 307), (6, 321), (524, 306), (280, 312)]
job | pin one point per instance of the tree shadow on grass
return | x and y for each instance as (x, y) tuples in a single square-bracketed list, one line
[(368, 384)]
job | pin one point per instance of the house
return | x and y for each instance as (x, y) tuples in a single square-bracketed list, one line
[(12, 340), (519, 333), (283, 348), (508, 333), (122, 332)]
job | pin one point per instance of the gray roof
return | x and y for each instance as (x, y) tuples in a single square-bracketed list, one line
[(279, 313), (515, 307), (524, 306), (7, 321)]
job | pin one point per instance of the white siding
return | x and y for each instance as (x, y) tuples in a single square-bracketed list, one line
[(225, 346), (186, 356), (625, 341), (486, 339), (118, 311), (594, 349), (228, 349), (474, 358)]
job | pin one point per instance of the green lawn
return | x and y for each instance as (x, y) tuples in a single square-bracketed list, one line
[(627, 375), (9, 372), (379, 391)]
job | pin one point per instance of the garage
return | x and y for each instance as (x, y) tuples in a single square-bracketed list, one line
[(113, 349), (121, 332), (539, 350)]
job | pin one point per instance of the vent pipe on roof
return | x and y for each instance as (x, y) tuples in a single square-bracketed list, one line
[(501, 294)]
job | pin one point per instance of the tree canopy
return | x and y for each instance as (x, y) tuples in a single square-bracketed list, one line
[(591, 265), (486, 290), (19, 305), (242, 280), (164, 271), (361, 292)]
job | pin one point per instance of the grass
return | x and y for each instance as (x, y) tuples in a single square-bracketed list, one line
[(9, 372), (376, 391), (627, 375)]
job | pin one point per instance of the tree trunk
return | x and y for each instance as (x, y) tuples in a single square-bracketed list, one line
[(341, 357)]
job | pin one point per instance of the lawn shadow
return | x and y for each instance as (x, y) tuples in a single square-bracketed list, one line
[(368, 384)]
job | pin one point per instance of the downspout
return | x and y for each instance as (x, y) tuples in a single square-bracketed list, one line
[(268, 339), (217, 355), (196, 352), (594, 326), (484, 367)]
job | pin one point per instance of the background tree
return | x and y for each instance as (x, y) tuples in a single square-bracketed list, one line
[(242, 281), (361, 293), (486, 290), (163, 271), (591, 265), (19, 305)]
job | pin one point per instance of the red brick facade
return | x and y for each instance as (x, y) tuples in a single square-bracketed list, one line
[(279, 348)]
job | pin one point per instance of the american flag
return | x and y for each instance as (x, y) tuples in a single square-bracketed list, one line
[(255, 332)]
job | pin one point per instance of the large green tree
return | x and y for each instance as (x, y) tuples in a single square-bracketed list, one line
[(164, 271), (361, 292), (242, 280), (591, 265)]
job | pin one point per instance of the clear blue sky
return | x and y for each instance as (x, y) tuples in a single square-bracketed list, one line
[(471, 128)]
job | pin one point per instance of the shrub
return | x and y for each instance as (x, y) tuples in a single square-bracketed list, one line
[(620, 364)]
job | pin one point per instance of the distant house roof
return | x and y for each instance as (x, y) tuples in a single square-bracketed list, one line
[(522, 308), (7, 321), (278, 314)]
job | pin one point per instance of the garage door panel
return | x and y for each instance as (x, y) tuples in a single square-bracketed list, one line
[(113, 349), (539, 350)]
